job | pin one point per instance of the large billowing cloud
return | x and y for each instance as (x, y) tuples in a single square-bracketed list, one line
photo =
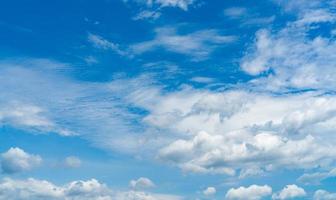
[(221, 132)]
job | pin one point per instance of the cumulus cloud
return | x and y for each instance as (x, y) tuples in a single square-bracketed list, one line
[(290, 192), (141, 183), (76, 190), (17, 160), (209, 191), (253, 192), (198, 45)]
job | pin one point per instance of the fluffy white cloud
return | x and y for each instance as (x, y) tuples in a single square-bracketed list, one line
[(209, 191), (253, 192), (72, 162), (324, 195), (141, 183), (33, 189), (17, 160), (198, 45), (290, 192)]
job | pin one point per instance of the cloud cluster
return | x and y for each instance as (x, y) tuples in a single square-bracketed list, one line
[(293, 56), (34, 189), (152, 9), (236, 130)]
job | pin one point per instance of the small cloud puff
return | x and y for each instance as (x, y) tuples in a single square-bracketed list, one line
[(72, 162), (209, 191), (141, 183)]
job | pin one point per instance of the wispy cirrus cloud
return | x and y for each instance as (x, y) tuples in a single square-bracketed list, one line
[(101, 43), (198, 45)]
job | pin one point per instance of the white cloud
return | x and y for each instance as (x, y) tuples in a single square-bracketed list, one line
[(40, 98), (198, 45), (101, 43), (147, 14), (293, 57), (152, 9), (290, 192), (209, 191), (141, 183), (235, 12), (221, 131), (76, 190), (225, 132), (72, 162), (253, 192), (16, 160), (182, 4), (200, 79), (324, 195), (21, 115), (317, 177)]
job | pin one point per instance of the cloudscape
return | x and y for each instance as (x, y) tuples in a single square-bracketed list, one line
[(168, 100)]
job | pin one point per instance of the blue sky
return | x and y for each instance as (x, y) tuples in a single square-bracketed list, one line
[(167, 99)]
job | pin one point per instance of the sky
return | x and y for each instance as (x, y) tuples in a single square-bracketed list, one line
[(167, 100)]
